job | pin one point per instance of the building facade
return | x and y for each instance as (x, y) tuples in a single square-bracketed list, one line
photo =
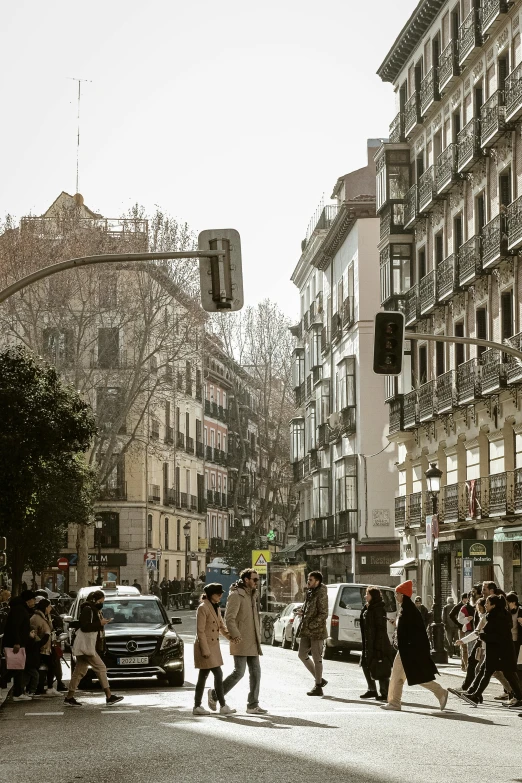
[(448, 195), (342, 461)]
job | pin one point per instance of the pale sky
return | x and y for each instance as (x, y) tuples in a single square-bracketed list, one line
[(225, 114)]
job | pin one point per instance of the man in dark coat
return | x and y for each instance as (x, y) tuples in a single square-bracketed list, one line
[(412, 662), (16, 635)]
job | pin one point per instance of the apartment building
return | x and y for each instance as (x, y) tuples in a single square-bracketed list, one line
[(448, 195), (342, 461)]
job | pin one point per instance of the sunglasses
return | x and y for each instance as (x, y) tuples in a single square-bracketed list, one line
[(254, 580)]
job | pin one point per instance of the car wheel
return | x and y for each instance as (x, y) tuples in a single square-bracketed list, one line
[(285, 644), (177, 679), (274, 642)]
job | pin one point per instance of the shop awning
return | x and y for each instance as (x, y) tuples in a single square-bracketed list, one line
[(399, 568), (513, 533)]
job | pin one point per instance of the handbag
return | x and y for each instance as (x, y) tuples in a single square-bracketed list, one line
[(85, 643), (14, 660), (381, 669)]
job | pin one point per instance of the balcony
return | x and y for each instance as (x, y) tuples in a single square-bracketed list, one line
[(183, 500), (494, 371), (493, 119), (428, 293), (446, 170), (429, 90), (300, 395), (446, 392), (400, 511), (396, 413), (452, 504), (410, 410), (325, 345), (448, 65), (470, 261), (396, 134), (172, 497), (337, 327), (477, 502), (469, 36), (492, 11), (494, 242), (447, 278), (169, 435), (501, 494), (154, 493), (200, 449), (427, 189), (412, 114), (392, 220), (180, 440), (469, 149), (189, 448), (517, 488), (415, 510), (348, 420), (468, 382), (411, 207), (514, 366), (513, 93), (348, 313), (514, 224), (323, 436), (428, 401), (412, 305)]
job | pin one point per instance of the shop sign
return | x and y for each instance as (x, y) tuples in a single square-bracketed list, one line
[(107, 559), (375, 563), (481, 552)]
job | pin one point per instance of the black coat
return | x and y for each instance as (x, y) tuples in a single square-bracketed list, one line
[(376, 645), (500, 650), (413, 645), (18, 625)]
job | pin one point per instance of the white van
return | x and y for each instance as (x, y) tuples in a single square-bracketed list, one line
[(345, 602)]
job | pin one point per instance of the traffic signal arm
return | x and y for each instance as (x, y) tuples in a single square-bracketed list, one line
[(439, 338)]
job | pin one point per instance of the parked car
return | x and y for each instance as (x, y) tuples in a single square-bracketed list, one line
[(140, 641), (345, 601), (283, 623)]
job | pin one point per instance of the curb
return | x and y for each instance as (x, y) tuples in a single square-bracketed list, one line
[(4, 695)]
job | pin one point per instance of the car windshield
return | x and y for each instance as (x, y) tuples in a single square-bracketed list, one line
[(133, 612)]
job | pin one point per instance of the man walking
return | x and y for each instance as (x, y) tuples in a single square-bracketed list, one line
[(242, 621), (312, 630), (451, 627), (413, 661)]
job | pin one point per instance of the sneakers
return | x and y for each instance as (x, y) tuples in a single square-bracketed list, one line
[(23, 697), (200, 711), (51, 692), (443, 701), (317, 691), (390, 707), (226, 710), (113, 700), (71, 702), (470, 699), (369, 695), (212, 703), (456, 692), (256, 711), (516, 704), (502, 697), (324, 683)]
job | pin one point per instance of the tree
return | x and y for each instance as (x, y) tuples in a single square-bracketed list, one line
[(44, 426)]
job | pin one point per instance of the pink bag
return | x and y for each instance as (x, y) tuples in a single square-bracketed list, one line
[(14, 660)]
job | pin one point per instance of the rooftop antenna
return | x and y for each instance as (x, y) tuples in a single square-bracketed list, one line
[(80, 81)]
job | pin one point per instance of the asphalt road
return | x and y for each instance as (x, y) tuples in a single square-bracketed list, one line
[(153, 737)]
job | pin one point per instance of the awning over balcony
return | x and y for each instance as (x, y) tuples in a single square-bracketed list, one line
[(508, 533), (399, 568)]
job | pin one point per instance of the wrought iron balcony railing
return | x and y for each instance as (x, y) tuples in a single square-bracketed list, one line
[(396, 134), (412, 305), (447, 278), (514, 224), (495, 241), (323, 436), (428, 401), (415, 516), (468, 382), (400, 511), (448, 65), (411, 206), (514, 367), (428, 292), (429, 90), (469, 149), (501, 494), (452, 503), (470, 260), (491, 13), (396, 414), (412, 114), (446, 392), (517, 482), (427, 189), (410, 414), (446, 169), (477, 498), (392, 220), (469, 36), (493, 119), (513, 92), (494, 371)]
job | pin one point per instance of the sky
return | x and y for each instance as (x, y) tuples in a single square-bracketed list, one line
[(225, 114)]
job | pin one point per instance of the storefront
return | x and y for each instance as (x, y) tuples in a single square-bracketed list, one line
[(405, 569), (507, 543), (109, 568)]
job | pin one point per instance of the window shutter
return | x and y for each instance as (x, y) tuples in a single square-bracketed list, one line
[(507, 314)]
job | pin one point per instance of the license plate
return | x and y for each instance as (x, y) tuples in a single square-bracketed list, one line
[(131, 661)]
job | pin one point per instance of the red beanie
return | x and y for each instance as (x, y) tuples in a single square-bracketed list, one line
[(406, 588)]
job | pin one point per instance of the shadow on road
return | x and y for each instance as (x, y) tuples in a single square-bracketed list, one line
[(276, 722)]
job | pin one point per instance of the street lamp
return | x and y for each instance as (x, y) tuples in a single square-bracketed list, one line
[(98, 521), (438, 653), (186, 531)]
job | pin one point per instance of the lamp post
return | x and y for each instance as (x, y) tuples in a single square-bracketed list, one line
[(438, 653), (98, 521), (186, 531)]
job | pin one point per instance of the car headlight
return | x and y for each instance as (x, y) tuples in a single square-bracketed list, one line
[(170, 639)]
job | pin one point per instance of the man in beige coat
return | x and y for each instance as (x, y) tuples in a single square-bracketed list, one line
[(244, 627)]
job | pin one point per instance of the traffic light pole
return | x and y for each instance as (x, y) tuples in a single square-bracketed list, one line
[(439, 338)]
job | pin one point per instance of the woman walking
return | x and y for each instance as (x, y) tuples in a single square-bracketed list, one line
[(207, 652), (377, 652), (42, 625)]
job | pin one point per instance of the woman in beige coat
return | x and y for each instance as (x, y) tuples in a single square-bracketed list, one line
[(207, 652)]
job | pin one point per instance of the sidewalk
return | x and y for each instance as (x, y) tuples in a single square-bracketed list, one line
[(452, 667), (4, 693)]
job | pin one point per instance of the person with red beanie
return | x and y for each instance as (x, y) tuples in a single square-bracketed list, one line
[(413, 661)]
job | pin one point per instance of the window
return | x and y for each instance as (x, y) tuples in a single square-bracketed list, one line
[(321, 494), (107, 296), (108, 347), (505, 188), (457, 233), (58, 345), (496, 457), (109, 407), (110, 532), (187, 425), (178, 535), (166, 574), (351, 598), (480, 213), (439, 358), (506, 305), (421, 260), (481, 328), (423, 364), (149, 531), (311, 442), (297, 440), (459, 349), (346, 384), (346, 484), (439, 248), (167, 533)]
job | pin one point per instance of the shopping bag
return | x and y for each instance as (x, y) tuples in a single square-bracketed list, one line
[(14, 660), (85, 643)]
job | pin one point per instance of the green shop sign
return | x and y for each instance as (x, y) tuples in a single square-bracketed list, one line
[(481, 552)]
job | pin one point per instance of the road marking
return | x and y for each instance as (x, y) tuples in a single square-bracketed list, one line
[(44, 713), (117, 712)]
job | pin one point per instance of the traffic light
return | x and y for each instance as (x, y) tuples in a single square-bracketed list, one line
[(3, 547), (388, 346), (221, 277), (271, 536)]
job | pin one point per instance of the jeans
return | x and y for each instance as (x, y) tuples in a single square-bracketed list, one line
[(218, 685), (314, 665), (254, 671), (31, 680), (397, 680), (19, 678), (383, 684)]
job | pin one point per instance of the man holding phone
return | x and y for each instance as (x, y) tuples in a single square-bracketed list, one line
[(92, 621)]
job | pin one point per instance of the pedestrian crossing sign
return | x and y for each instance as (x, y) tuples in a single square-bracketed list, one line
[(260, 560)]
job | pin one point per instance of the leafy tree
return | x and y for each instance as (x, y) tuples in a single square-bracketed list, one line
[(44, 426)]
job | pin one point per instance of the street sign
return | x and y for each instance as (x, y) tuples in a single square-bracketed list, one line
[(63, 563), (467, 574), (202, 543), (260, 560), (481, 552), (152, 564), (149, 556), (221, 277)]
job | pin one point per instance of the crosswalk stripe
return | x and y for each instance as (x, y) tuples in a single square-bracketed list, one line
[(44, 713), (117, 712)]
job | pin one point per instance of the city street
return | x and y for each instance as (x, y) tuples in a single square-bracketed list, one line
[(153, 735)]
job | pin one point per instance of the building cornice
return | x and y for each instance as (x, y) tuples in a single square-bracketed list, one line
[(409, 38), (349, 213)]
